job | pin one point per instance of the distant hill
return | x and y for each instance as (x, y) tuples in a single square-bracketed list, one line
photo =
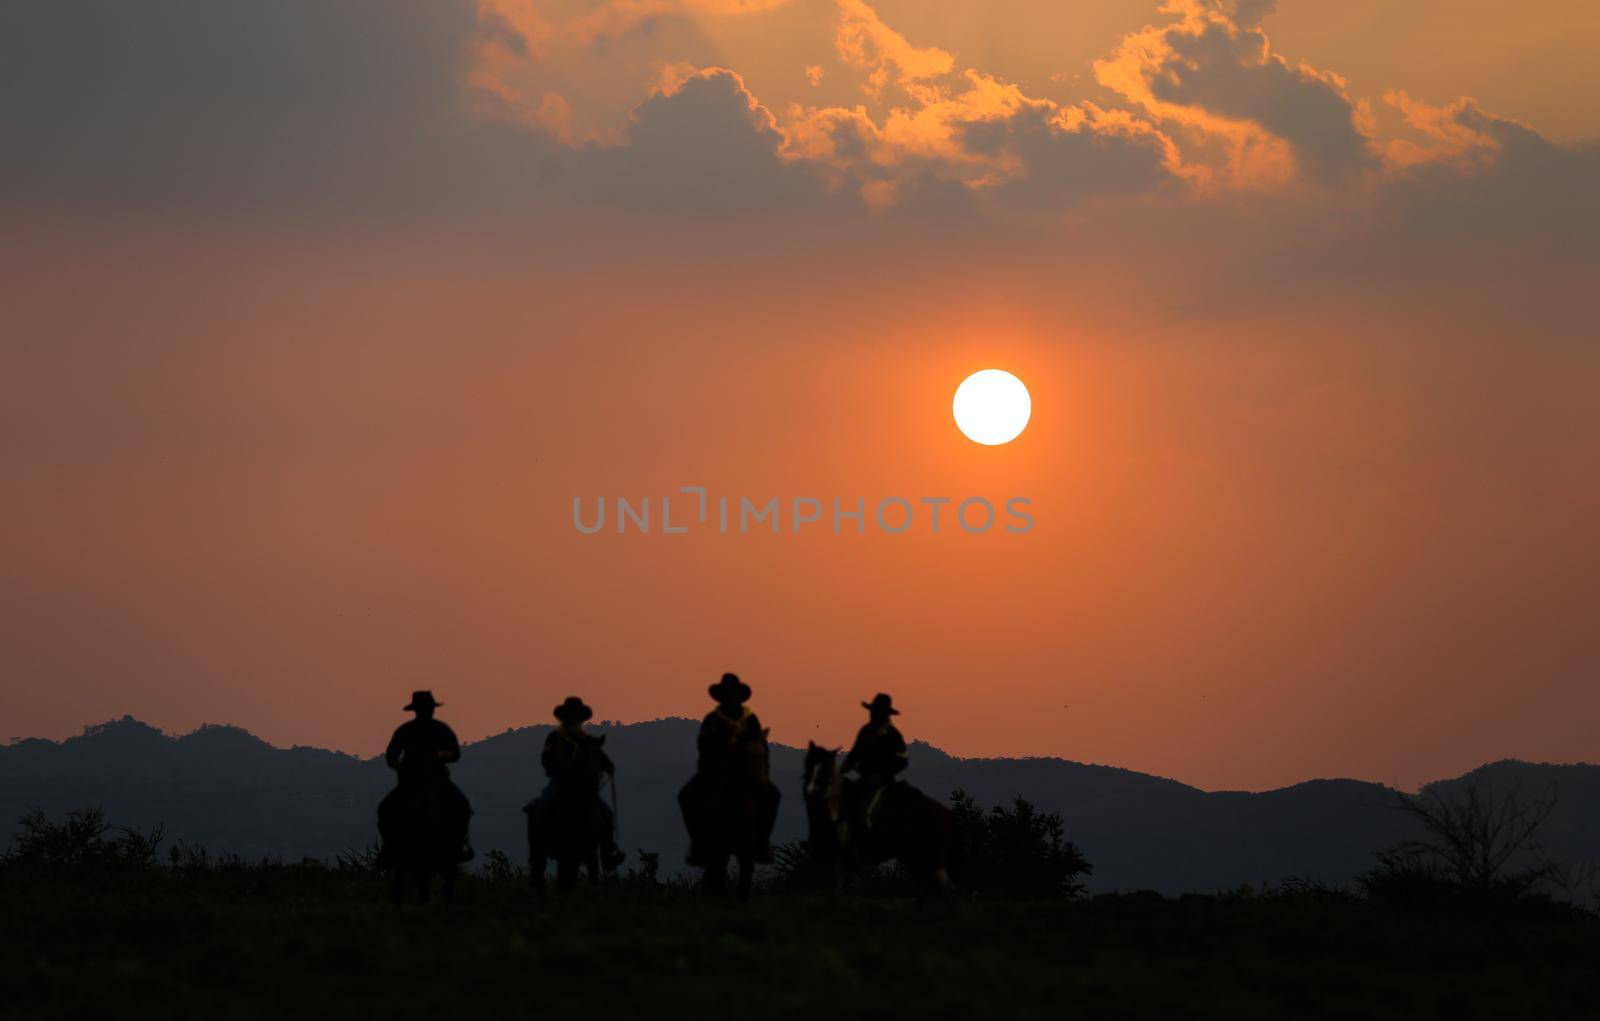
[(225, 789)]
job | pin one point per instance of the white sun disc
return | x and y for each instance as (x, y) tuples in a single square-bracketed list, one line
[(992, 407)]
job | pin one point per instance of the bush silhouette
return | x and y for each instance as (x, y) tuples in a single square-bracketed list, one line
[(359, 862), (1016, 851), (498, 868), (1011, 851), (1478, 845), (82, 841)]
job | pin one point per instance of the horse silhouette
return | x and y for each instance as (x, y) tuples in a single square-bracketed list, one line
[(908, 827), (731, 821), (424, 840), (563, 825)]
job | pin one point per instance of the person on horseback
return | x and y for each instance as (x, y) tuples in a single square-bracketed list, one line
[(730, 736), (574, 762), (877, 757), (420, 752)]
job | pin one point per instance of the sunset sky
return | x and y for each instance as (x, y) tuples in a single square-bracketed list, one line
[(315, 316)]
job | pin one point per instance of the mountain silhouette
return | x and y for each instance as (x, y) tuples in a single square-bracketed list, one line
[(222, 788)]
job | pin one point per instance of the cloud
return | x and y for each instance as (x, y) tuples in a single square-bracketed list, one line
[(1065, 154), (514, 111), (935, 141), (864, 42), (1476, 173), (965, 138), (326, 107), (701, 144), (1213, 72), (1250, 13), (577, 68)]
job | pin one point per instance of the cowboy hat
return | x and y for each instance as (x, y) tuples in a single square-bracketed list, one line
[(422, 700), (573, 709), (881, 703), (730, 689)]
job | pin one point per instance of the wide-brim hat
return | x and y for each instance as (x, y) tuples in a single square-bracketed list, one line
[(422, 700), (881, 703), (573, 709), (730, 689)]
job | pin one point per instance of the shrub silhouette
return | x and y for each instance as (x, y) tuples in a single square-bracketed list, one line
[(649, 867), (1477, 845), (1016, 851), (498, 868), (185, 859), (362, 862), (1012, 851), (82, 841)]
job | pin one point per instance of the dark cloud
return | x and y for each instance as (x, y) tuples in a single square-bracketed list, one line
[(1508, 183), (273, 107), (361, 108), (705, 146), (339, 108), (1067, 163), (1250, 13)]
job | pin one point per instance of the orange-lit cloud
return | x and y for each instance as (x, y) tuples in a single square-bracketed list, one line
[(1211, 109), (865, 43), (1459, 133), (987, 137), (1213, 71), (501, 109)]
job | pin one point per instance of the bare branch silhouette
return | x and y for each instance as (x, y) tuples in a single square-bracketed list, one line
[(1479, 836)]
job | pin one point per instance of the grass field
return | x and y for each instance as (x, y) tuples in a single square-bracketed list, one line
[(282, 940)]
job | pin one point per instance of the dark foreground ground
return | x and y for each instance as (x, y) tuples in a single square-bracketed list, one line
[(276, 942)]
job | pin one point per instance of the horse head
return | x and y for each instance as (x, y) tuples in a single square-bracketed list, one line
[(822, 789), (822, 776)]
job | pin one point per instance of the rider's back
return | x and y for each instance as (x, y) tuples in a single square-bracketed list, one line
[(879, 751), (414, 750), (727, 741), (574, 760)]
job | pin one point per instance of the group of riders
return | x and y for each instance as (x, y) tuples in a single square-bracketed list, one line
[(732, 759)]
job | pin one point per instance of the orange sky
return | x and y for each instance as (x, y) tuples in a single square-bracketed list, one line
[(300, 376)]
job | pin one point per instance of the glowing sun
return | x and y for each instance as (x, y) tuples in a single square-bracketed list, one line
[(992, 407)]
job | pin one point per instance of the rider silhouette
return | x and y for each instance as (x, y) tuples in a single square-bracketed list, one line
[(419, 752), (877, 757), (726, 736), (574, 760)]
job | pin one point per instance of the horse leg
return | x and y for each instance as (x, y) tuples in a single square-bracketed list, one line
[(716, 875), (747, 868), (538, 859), (397, 886), (566, 872), (592, 865), (424, 875), (938, 881), (845, 866)]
